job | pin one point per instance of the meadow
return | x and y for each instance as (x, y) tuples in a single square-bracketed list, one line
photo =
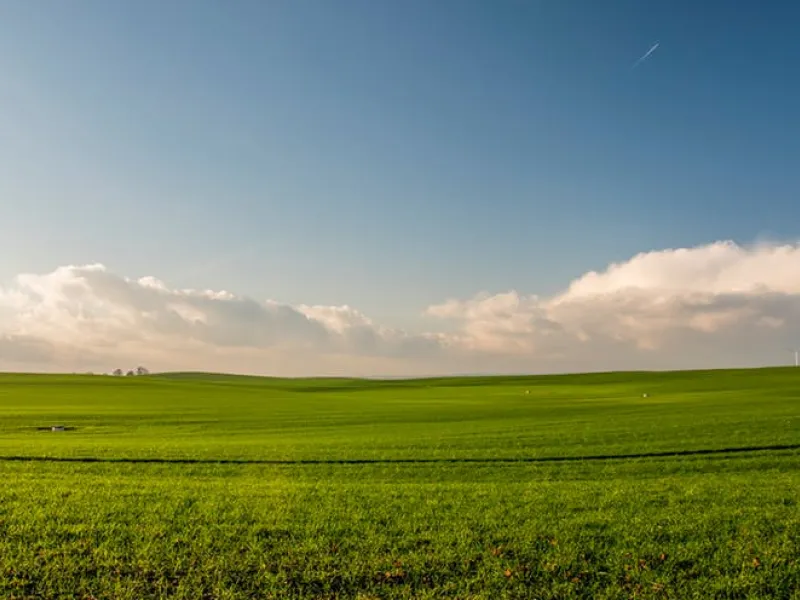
[(203, 486)]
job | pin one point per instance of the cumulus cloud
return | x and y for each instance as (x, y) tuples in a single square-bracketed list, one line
[(88, 307), (714, 305), (674, 301)]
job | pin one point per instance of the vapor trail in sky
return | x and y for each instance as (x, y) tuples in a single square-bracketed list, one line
[(645, 55)]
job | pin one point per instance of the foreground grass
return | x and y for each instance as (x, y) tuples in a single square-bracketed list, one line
[(723, 525)]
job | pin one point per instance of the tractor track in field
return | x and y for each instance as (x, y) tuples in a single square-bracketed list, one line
[(389, 461)]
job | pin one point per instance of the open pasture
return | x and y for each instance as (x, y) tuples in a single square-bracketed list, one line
[(573, 486)]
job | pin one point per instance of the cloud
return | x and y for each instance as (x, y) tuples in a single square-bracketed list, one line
[(88, 307), (671, 303), (24, 349), (714, 305)]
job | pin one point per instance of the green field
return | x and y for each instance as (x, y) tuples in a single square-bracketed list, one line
[(202, 486)]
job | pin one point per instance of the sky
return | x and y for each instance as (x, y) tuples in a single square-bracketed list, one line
[(380, 188)]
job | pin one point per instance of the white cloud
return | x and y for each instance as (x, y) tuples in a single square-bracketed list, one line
[(720, 268), (712, 305), (672, 301), (91, 309)]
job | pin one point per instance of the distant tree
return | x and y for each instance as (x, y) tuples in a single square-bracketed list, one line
[(117, 373), (142, 371), (130, 374)]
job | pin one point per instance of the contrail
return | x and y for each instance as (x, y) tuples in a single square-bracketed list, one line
[(646, 54)]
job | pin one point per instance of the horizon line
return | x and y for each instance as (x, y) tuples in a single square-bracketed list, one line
[(160, 374)]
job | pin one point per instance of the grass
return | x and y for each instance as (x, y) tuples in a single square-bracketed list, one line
[(209, 486)]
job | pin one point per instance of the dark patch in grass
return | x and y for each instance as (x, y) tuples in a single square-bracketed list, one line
[(61, 428), (379, 461)]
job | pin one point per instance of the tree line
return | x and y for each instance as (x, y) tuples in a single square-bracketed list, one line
[(131, 373)]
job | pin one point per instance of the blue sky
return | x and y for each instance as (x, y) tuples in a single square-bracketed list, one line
[(390, 155)]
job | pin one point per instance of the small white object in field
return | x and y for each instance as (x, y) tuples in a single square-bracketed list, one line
[(644, 395), (527, 391), (57, 428)]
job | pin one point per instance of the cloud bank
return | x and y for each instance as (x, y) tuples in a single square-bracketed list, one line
[(716, 305)]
